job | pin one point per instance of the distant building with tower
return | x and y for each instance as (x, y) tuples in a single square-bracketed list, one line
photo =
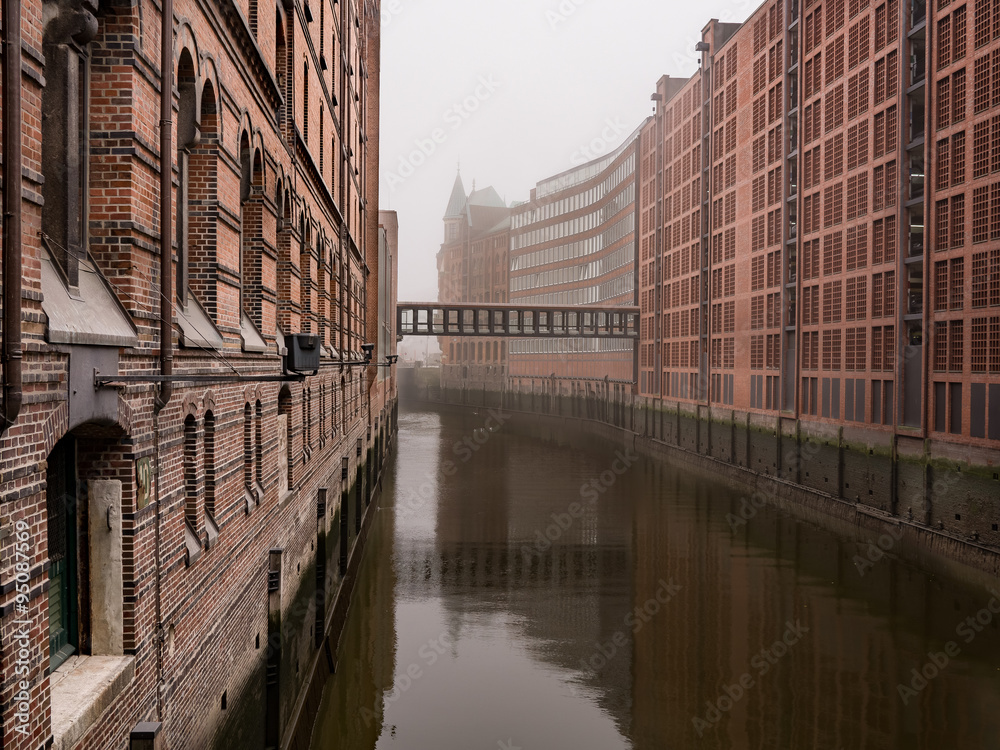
[(473, 265)]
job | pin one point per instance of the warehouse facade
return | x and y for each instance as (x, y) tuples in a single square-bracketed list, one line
[(188, 451)]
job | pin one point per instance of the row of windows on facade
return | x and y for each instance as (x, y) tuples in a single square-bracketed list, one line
[(594, 269), (547, 210), (253, 445), (198, 154), (281, 68), (481, 351), (608, 290), (568, 346), (578, 225), (577, 249)]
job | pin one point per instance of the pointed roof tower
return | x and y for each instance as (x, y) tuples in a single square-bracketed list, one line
[(456, 204)]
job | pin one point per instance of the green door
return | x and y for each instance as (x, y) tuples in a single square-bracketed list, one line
[(62, 531)]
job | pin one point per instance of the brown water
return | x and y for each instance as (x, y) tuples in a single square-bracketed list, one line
[(649, 617)]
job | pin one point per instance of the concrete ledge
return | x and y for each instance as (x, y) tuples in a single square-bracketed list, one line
[(81, 690)]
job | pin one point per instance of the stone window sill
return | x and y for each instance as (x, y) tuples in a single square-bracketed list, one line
[(81, 690)]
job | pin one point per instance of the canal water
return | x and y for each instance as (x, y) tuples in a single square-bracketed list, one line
[(520, 594)]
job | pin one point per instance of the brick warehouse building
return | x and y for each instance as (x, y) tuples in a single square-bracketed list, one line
[(783, 202), (473, 265), (818, 246), (179, 511), (573, 243)]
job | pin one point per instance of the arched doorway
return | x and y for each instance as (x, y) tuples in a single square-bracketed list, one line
[(90, 481), (63, 532)]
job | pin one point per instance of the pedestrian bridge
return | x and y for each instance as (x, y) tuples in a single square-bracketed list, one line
[(497, 320)]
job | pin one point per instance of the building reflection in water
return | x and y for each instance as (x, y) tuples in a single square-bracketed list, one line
[(621, 624)]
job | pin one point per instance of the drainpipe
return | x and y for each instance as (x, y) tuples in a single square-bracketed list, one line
[(166, 240), (166, 307), (12, 390)]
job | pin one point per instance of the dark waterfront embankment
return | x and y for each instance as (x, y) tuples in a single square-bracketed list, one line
[(528, 586), (940, 502)]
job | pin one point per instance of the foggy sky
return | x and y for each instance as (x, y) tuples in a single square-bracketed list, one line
[(517, 91)]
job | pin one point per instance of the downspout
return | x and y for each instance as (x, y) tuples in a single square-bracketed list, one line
[(166, 240), (12, 349), (166, 306)]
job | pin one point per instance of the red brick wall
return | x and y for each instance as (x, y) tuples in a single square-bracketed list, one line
[(200, 630)]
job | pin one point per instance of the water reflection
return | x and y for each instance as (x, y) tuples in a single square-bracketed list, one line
[(522, 594)]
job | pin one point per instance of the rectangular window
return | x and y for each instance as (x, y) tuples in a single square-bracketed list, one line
[(980, 215), (878, 292), (940, 346), (957, 283), (980, 280), (981, 149), (944, 103), (956, 361), (944, 163), (982, 26), (834, 162), (834, 108), (977, 362), (958, 96), (941, 285), (957, 220), (981, 89), (944, 42), (942, 235), (958, 33)]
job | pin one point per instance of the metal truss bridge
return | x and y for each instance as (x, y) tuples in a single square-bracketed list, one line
[(520, 321)]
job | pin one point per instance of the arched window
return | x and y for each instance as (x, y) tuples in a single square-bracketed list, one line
[(305, 103), (333, 410), (191, 472), (305, 270), (284, 431), (202, 217), (343, 404), (305, 421), (248, 446), (210, 465), (187, 135), (251, 229), (259, 446), (246, 182), (281, 62), (322, 415)]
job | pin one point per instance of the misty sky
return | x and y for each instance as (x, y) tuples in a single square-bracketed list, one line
[(517, 90)]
